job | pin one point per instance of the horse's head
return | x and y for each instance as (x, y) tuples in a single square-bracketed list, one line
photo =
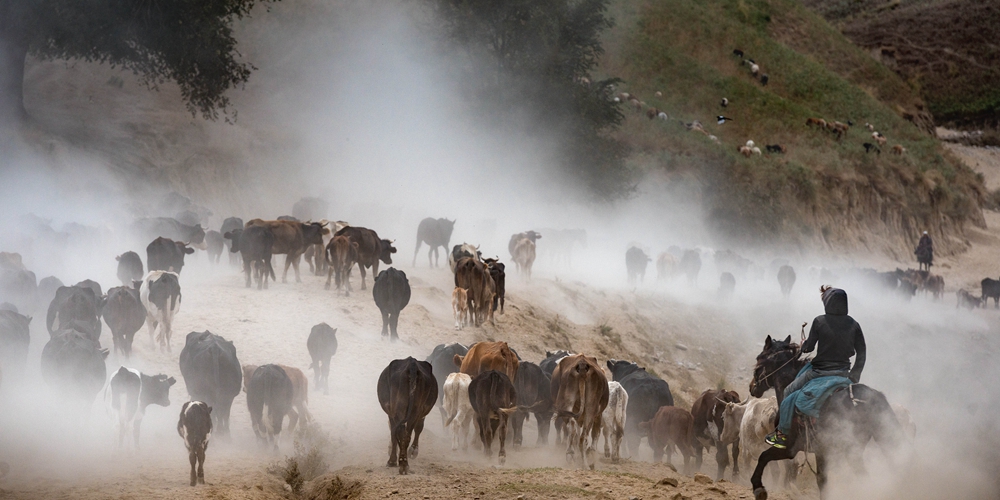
[(776, 356)]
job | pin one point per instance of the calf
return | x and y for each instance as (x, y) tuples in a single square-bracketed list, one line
[(322, 345), (300, 393), (672, 426), (230, 224), (499, 281), (475, 277), (707, 412), (613, 421), (391, 291), (129, 268), (195, 428), (458, 408), (759, 416), (666, 266), (442, 360), (407, 391), (161, 296), (493, 398), (534, 395), (460, 307), (131, 393), (967, 300), (342, 254), (125, 315), (580, 391), (269, 398)]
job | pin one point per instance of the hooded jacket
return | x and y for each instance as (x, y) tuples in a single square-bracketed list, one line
[(839, 337)]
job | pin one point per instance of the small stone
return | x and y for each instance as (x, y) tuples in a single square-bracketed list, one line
[(427, 497), (260, 487), (520, 497), (669, 481), (677, 496), (702, 478), (288, 487), (585, 485), (633, 498), (394, 492), (716, 489), (681, 347), (368, 471)]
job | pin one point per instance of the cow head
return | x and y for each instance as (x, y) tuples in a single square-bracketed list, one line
[(385, 255), (620, 368), (156, 390), (234, 235), (312, 233), (184, 248)]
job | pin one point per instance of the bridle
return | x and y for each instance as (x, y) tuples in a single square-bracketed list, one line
[(759, 380)]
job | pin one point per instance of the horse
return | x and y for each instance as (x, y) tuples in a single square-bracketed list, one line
[(925, 257), (847, 421)]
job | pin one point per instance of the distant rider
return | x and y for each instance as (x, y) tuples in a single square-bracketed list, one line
[(839, 337), (925, 251)]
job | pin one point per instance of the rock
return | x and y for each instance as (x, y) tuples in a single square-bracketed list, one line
[(681, 347), (427, 497), (671, 467), (520, 497), (703, 479), (634, 498), (288, 487), (716, 489), (669, 481)]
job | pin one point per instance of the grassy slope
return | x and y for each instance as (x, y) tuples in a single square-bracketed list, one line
[(684, 48), (947, 47)]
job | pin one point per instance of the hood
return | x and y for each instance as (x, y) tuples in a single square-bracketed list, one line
[(835, 301)]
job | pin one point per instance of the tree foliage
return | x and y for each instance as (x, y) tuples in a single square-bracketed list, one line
[(534, 60), (189, 42)]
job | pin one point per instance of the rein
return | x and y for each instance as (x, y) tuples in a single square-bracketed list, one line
[(776, 370)]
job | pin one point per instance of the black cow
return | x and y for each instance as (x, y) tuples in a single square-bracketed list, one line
[(646, 394), (95, 286), (129, 268), (254, 244), (215, 245), (195, 427), (371, 249), (436, 233), (228, 225), (786, 279), (131, 392), (73, 364), (635, 263), (212, 373), (322, 345), (164, 254), (77, 305), (14, 341), (442, 360), (125, 315), (991, 289), (407, 391), (391, 291), (499, 281), (269, 386), (690, 266), (551, 361), (514, 238), (172, 229), (494, 399), (533, 395)]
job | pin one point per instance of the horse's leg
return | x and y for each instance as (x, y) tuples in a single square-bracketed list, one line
[(820, 472), (769, 455)]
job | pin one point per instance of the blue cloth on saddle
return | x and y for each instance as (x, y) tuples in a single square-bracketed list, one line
[(810, 398)]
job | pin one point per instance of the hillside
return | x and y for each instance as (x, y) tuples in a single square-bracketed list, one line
[(823, 193), (946, 48)]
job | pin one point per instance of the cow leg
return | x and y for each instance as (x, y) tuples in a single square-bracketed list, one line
[(518, 427), (295, 264), (361, 267), (247, 270), (542, 419), (135, 432), (326, 377), (616, 444), (698, 457), (392, 445), (288, 263), (606, 431), (385, 324), (403, 440), (721, 458), (293, 418), (193, 458), (151, 326), (201, 463), (736, 461), (416, 250), (329, 278), (417, 429), (393, 321), (504, 419), (595, 434)]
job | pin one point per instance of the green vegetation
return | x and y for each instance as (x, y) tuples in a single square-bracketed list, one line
[(684, 48)]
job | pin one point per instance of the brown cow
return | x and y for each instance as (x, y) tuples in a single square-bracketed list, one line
[(707, 412), (488, 356), (524, 256), (371, 249), (300, 393), (292, 238), (341, 254), (580, 391), (475, 277), (672, 426)]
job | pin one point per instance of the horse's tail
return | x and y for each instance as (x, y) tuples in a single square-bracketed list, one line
[(879, 417)]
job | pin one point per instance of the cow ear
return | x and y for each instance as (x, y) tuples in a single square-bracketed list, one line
[(788, 339), (334, 330), (188, 250), (209, 410), (767, 342), (171, 381)]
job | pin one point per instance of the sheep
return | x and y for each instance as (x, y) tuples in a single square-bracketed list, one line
[(763, 80), (714, 139), (659, 94), (750, 144), (870, 127), (663, 116), (755, 150), (651, 113), (722, 119), (775, 148), (869, 147), (838, 128), (745, 151), (819, 122), (637, 103), (738, 53), (725, 102), (898, 149), (879, 138), (754, 69)]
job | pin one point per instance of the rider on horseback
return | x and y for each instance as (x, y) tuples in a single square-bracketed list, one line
[(839, 337)]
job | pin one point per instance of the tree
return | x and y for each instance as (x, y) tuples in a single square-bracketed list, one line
[(187, 41), (540, 57)]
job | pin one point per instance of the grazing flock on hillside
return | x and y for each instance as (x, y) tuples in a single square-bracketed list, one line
[(485, 388)]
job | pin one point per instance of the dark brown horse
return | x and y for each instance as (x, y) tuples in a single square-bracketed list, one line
[(847, 420)]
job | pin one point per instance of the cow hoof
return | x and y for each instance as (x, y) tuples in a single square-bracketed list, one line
[(390, 463), (503, 460), (413, 452), (760, 494)]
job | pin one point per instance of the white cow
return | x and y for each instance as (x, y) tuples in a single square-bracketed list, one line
[(161, 295), (613, 421), (749, 422), (458, 408)]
